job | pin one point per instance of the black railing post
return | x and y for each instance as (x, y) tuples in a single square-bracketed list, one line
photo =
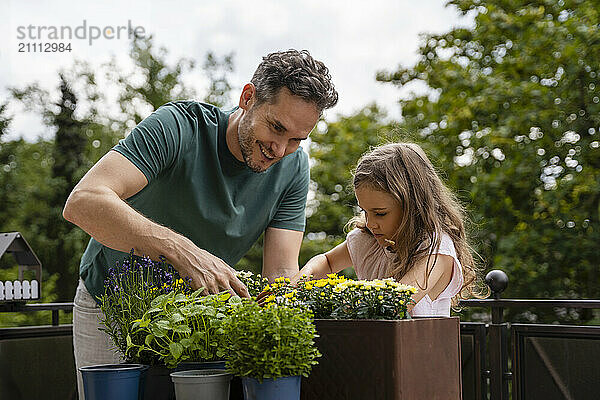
[(55, 319), (497, 281)]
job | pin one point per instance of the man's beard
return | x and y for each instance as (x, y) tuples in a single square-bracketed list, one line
[(247, 142), (246, 139)]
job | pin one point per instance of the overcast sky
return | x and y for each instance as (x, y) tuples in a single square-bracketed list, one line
[(355, 39)]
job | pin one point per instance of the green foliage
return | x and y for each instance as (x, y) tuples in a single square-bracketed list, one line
[(254, 282), (179, 327), (160, 84), (337, 297), (513, 117), (269, 342), (130, 291), (217, 71), (26, 185), (5, 119)]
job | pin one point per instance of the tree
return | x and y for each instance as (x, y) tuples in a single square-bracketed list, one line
[(70, 162), (513, 116), (57, 243), (5, 119), (5, 179), (160, 82), (217, 71)]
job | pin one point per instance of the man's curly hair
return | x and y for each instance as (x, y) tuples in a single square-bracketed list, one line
[(296, 70)]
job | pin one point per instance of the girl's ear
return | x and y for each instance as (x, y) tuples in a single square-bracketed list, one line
[(248, 96)]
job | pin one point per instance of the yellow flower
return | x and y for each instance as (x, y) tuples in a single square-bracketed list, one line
[(380, 297), (320, 283), (270, 298)]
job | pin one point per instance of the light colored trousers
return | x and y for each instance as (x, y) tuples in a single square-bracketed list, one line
[(91, 346)]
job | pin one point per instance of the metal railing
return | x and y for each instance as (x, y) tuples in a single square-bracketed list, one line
[(499, 349), (37, 361), (495, 375), (24, 307)]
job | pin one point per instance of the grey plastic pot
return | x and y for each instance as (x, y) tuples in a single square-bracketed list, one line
[(198, 384)]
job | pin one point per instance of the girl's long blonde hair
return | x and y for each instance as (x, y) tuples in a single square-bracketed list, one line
[(428, 208)]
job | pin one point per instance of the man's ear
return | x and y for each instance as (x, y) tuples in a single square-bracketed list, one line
[(248, 96)]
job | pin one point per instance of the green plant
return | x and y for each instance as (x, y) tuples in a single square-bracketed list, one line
[(341, 298), (254, 282), (129, 291), (179, 327), (270, 342), (376, 299)]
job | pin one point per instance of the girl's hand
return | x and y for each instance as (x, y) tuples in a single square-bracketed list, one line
[(305, 273)]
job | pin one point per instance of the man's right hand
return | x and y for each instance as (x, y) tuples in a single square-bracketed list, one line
[(206, 270)]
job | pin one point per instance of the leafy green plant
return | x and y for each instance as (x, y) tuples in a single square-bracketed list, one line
[(129, 291), (179, 327), (269, 342)]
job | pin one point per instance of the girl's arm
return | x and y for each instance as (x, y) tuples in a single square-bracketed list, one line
[(320, 265), (440, 276)]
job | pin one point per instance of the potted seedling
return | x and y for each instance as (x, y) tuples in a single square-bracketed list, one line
[(187, 329), (271, 348)]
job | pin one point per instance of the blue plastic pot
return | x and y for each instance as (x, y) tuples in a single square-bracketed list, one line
[(113, 381), (285, 388)]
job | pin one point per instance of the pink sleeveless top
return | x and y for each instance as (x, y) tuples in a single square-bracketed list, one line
[(371, 261)]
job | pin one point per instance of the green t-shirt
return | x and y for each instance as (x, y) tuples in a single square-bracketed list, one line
[(199, 189)]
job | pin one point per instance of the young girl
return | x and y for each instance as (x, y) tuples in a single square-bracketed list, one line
[(411, 229)]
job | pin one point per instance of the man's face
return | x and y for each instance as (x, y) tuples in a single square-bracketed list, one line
[(269, 132)]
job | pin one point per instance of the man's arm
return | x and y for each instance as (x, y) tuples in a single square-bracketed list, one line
[(96, 205), (280, 253)]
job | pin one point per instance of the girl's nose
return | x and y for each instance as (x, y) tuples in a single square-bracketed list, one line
[(370, 224)]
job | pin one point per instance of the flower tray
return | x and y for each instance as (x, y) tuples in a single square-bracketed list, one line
[(382, 359)]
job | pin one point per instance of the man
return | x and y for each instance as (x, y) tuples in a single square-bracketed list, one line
[(199, 185)]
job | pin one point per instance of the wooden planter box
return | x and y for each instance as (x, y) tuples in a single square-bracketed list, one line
[(381, 359)]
